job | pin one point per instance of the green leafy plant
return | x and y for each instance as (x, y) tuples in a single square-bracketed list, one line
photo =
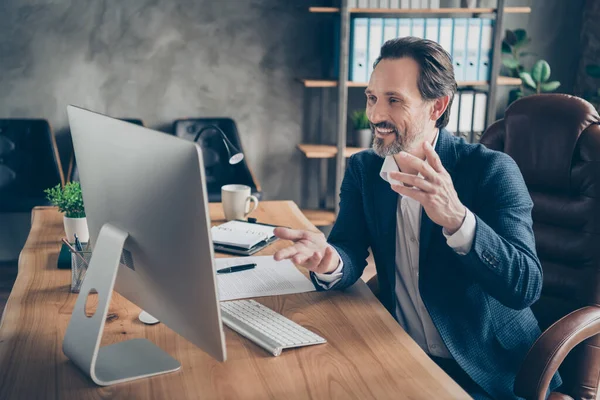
[(538, 78), (68, 199), (514, 52), (360, 120)]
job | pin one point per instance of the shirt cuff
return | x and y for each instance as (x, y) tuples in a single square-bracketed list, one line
[(326, 281), (462, 240)]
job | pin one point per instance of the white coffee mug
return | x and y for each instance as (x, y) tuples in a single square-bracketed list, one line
[(236, 201)]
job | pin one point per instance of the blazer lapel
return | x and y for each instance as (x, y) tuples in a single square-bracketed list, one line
[(385, 204), (447, 153)]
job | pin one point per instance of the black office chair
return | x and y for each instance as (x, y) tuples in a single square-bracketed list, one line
[(218, 170), (73, 172), (29, 163)]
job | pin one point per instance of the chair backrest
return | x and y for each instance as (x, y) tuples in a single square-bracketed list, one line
[(29, 163), (218, 171), (73, 171), (555, 140)]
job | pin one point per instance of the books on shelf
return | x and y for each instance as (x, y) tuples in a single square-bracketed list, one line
[(467, 40), (467, 115), (408, 4)]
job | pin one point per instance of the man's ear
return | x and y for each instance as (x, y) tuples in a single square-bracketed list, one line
[(439, 107)]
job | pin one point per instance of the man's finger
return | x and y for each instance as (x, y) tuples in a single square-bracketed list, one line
[(410, 161), (325, 261), (290, 234), (312, 262), (413, 180), (286, 253), (414, 194), (433, 158)]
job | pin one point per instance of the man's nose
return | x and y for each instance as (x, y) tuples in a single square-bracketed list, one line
[(377, 114)]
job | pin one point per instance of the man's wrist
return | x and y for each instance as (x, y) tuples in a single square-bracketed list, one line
[(453, 228)]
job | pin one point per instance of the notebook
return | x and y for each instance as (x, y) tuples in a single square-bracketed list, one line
[(242, 237)]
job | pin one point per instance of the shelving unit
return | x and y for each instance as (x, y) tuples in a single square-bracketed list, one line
[(340, 151)]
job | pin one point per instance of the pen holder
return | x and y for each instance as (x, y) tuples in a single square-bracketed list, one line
[(79, 268)]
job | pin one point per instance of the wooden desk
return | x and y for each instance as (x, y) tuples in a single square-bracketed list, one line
[(367, 355)]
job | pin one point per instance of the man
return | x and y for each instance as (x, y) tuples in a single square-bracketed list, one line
[(449, 224)]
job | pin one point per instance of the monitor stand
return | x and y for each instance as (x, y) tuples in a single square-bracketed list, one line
[(120, 362)]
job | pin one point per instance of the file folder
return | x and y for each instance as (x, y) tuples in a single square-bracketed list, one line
[(418, 28), (465, 123), (363, 3), (394, 3), (375, 42), (453, 120), (405, 4), (473, 45), (390, 29), (459, 48), (404, 27), (479, 116), (485, 53), (432, 29), (434, 3), (358, 71), (446, 34)]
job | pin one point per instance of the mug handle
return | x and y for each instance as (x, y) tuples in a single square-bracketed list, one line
[(254, 200)]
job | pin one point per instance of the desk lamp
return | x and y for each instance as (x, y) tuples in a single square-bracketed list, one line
[(235, 156)]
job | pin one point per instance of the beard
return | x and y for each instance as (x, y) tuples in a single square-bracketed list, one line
[(401, 142)]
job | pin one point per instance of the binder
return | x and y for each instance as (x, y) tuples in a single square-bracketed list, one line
[(363, 3), (404, 3), (416, 4), (374, 43), (394, 3), (459, 48), (453, 120), (358, 72), (473, 45), (418, 27), (432, 29), (404, 27), (465, 122), (485, 53), (479, 115), (434, 3), (352, 3), (390, 29), (446, 34)]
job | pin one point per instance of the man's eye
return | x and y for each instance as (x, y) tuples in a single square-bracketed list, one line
[(392, 100), (371, 98)]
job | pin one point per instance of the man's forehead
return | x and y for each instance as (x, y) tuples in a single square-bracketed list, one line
[(395, 76)]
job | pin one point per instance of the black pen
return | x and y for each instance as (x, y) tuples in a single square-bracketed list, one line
[(235, 268), (78, 245)]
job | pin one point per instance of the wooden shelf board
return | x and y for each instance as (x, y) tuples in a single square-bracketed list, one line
[(512, 10), (325, 151), (320, 217), (322, 83)]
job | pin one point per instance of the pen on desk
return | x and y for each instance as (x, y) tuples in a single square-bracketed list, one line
[(235, 268), (78, 245)]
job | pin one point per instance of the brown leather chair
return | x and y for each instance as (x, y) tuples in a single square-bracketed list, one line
[(555, 140)]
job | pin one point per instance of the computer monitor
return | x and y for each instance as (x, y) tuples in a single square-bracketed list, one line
[(147, 211)]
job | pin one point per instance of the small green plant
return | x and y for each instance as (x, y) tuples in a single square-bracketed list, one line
[(537, 79), (533, 81), (360, 120), (68, 199)]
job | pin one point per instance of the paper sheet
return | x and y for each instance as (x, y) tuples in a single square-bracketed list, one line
[(268, 278)]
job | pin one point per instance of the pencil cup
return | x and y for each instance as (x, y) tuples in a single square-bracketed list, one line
[(79, 268)]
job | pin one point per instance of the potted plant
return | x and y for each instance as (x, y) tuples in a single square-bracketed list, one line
[(362, 129), (534, 81), (69, 201)]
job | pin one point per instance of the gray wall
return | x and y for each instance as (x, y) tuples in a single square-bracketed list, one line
[(162, 60)]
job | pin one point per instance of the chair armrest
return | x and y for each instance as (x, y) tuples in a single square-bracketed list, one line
[(551, 348)]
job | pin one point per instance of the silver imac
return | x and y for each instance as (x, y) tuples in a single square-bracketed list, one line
[(147, 211)]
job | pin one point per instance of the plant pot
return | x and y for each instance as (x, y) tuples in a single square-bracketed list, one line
[(76, 226), (363, 138)]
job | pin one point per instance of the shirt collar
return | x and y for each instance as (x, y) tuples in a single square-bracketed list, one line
[(389, 164)]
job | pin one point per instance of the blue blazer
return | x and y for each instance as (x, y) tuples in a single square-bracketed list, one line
[(480, 301)]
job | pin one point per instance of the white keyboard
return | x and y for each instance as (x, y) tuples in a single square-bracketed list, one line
[(268, 329)]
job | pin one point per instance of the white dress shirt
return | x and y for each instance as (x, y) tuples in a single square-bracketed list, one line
[(410, 310)]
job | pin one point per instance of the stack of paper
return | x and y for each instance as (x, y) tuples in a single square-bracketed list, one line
[(268, 278)]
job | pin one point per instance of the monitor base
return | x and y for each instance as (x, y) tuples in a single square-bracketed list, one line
[(119, 362)]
